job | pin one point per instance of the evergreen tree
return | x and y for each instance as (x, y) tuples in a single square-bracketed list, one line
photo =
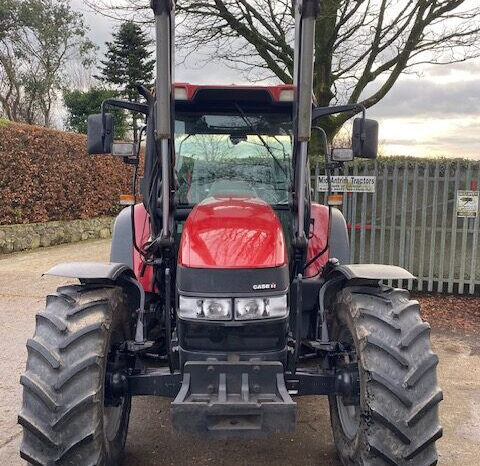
[(128, 62)]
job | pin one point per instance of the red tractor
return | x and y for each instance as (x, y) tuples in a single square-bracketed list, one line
[(228, 290)]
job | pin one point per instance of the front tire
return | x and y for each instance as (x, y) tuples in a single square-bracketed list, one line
[(396, 419), (65, 418)]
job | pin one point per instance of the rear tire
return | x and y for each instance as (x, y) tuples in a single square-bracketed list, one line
[(64, 417), (396, 421)]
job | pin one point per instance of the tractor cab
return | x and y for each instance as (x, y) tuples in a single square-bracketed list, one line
[(233, 140)]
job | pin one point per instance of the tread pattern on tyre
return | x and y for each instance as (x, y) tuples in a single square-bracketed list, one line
[(62, 387), (399, 420)]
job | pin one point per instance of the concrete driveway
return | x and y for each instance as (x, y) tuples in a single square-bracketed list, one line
[(151, 441)]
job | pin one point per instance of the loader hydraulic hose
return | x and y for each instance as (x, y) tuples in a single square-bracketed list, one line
[(134, 192), (168, 318), (298, 322), (329, 184)]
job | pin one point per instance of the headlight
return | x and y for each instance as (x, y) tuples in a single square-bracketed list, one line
[(204, 308), (261, 308)]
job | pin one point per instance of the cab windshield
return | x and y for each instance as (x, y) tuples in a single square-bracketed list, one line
[(233, 154)]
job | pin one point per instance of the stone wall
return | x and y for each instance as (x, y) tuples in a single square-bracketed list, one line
[(14, 238)]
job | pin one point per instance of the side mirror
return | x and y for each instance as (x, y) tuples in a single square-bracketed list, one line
[(100, 131), (365, 138)]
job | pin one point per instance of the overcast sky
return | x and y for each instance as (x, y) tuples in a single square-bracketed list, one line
[(435, 113)]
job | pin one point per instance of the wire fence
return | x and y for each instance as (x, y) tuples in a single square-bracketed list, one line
[(412, 218)]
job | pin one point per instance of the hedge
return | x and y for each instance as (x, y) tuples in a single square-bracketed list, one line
[(47, 175)]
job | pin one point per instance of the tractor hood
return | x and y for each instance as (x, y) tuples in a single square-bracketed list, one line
[(232, 232)]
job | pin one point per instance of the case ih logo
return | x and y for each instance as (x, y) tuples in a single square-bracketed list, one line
[(265, 286)]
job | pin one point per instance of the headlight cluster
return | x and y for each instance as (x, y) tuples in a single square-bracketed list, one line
[(202, 308), (260, 308), (244, 308)]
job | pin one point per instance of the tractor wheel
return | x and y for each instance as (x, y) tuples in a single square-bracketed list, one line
[(65, 416), (395, 420)]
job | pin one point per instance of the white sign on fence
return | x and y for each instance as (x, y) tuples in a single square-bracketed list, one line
[(467, 204), (348, 184)]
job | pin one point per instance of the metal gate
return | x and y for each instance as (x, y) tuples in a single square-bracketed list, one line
[(411, 221)]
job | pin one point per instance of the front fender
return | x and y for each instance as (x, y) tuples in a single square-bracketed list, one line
[(91, 270), (338, 275), (372, 272), (99, 272)]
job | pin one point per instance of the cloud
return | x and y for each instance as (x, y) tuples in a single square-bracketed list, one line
[(455, 137), (458, 140), (195, 70), (471, 66), (101, 27), (427, 99)]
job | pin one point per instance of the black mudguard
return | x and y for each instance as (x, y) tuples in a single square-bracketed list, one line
[(358, 274), (338, 240), (122, 239), (372, 272), (103, 272), (91, 270)]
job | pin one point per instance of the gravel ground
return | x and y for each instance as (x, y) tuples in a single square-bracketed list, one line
[(151, 440), (460, 313)]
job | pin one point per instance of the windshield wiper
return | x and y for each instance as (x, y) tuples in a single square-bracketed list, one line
[(179, 152), (254, 129)]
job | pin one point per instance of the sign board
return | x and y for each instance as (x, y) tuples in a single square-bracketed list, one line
[(467, 204), (348, 184)]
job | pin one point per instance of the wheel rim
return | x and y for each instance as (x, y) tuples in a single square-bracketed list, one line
[(113, 409), (349, 415), (112, 419), (349, 418)]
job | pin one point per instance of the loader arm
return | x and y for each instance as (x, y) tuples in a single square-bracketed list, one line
[(165, 150), (305, 17)]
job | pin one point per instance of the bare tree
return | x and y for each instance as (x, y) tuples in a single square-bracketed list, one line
[(212, 147), (10, 82), (38, 40), (18, 100), (80, 75), (362, 46), (9, 85)]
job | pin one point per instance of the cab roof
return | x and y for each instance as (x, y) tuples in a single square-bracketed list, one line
[(283, 93)]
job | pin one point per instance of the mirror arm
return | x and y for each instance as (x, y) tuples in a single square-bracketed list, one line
[(104, 123), (324, 139), (143, 132), (363, 135), (328, 163), (324, 111), (127, 105), (146, 94)]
